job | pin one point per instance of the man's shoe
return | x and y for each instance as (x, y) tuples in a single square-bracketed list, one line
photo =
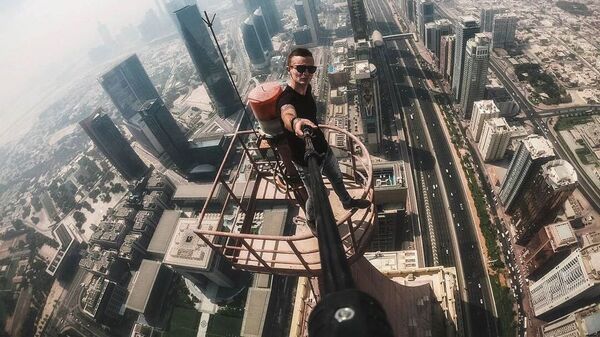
[(357, 203)]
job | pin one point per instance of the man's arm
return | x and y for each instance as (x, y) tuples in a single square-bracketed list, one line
[(291, 120)]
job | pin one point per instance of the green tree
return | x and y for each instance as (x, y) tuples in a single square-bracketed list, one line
[(79, 218)]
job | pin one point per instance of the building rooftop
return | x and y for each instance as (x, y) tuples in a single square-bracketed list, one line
[(469, 20), (187, 249), (581, 322), (559, 173), (143, 282), (486, 106), (561, 234), (538, 146), (164, 231), (98, 260), (363, 69), (393, 261)]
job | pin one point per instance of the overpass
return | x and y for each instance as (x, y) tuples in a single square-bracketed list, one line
[(585, 110), (401, 36)]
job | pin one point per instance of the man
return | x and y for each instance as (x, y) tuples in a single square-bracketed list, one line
[(297, 108)]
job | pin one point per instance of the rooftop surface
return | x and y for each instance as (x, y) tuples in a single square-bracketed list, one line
[(559, 173), (538, 146), (142, 285), (164, 231)]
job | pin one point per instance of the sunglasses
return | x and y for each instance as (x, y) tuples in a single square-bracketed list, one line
[(302, 68)]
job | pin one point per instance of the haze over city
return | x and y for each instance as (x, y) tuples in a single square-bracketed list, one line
[(301, 168)]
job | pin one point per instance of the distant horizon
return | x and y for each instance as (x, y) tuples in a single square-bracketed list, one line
[(36, 82)]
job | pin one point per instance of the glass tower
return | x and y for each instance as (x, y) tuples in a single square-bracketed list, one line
[(109, 140), (252, 44), (165, 130), (260, 26), (466, 28), (128, 86), (208, 63)]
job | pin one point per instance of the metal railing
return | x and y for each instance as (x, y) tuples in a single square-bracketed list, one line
[(291, 255)]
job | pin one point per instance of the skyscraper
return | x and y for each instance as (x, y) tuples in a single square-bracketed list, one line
[(573, 281), (252, 44), (494, 139), (269, 11), (433, 35), (299, 8), (487, 17), (312, 20), (466, 28), (358, 19), (261, 31), (482, 111), (105, 35), (207, 61), (503, 30), (113, 145), (447, 56), (425, 12), (581, 322), (542, 197), (533, 152), (477, 58), (164, 128), (547, 248), (128, 86)]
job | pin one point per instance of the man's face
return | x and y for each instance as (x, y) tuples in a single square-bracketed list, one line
[(298, 77)]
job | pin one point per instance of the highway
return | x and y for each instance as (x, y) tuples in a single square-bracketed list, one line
[(445, 220)]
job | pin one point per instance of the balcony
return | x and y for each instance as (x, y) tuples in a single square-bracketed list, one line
[(251, 176)]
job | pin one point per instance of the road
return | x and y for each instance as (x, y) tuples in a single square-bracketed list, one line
[(438, 185)]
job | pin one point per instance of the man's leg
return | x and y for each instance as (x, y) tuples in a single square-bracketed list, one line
[(331, 169)]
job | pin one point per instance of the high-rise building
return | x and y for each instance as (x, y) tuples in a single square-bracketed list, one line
[(302, 36), (579, 323), (425, 14), (113, 145), (575, 279), (429, 40), (358, 19), (252, 45), (482, 111), (410, 10), (106, 36), (466, 28), (533, 152), (208, 63), (299, 8), (543, 196), (260, 25), (487, 17), (547, 248), (503, 30), (495, 138), (312, 20), (447, 56), (369, 103), (128, 86), (164, 128), (433, 40), (269, 11), (477, 58)]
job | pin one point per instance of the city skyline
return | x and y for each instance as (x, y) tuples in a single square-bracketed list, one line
[(153, 192)]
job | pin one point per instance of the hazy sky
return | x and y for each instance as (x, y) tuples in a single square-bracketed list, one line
[(40, 38)]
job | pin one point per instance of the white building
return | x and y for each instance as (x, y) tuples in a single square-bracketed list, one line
[(495, 139), (581, 322), (477, 58), (482, 111), (574, 279)]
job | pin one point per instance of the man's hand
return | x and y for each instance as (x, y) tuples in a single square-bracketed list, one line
[(299, 123)]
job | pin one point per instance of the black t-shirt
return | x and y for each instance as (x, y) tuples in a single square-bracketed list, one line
[(305, 108)]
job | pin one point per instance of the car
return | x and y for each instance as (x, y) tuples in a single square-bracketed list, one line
[(479, 285), (461, 207), (447, 171), (481, 300), (451, 194), (412, 116)]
